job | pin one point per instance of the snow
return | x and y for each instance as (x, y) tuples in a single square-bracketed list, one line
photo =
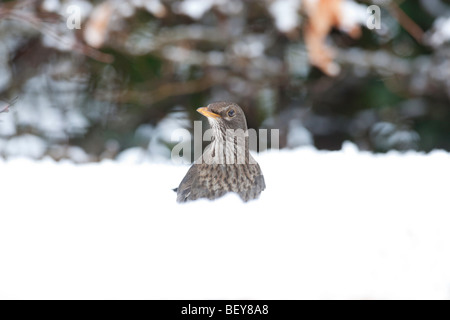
[(51, 5), (353, 14), (286, 14), (196, 8), (7, 124), (250, 47), (441, 33), (298, 135), (61, 39), (345, 224), (77, 154), (54, 116), (156, 8), (26, 145)]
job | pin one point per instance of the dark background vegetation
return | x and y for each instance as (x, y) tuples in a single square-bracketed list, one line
[(155, 66)]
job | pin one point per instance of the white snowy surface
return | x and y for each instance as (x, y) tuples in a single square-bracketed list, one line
[(330, 225)]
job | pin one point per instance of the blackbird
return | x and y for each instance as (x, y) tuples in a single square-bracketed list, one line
[(226, 164)]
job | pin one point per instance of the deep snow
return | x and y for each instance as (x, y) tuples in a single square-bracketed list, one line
[(329, 225)]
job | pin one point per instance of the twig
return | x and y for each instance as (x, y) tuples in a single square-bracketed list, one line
[(165, 91), (406, 22), (5, 108), (37, 24)]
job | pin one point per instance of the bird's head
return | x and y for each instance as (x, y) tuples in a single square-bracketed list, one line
[(225, 115)]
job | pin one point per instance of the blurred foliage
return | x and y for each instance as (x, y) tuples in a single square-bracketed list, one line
[(158, 61)]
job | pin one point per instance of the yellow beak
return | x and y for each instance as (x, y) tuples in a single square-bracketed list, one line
[(204, 111)]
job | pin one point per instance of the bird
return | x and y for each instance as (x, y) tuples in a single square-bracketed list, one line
[(226, 165)]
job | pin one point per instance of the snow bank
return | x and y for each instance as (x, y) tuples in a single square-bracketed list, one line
[(330, 225)]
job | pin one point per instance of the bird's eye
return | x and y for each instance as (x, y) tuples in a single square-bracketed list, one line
[(231, 113)]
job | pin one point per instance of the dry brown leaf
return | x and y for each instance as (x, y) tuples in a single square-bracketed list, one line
[(323, 16), (96, 30)]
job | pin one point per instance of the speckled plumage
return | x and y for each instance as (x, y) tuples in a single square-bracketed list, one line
[(224, 167)]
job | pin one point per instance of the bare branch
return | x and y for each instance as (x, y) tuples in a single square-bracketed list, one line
[(163, 91), (42, 27), (406, 22), (5, 106)]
